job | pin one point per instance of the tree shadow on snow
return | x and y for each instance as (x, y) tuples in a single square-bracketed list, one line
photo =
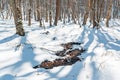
[(7, 39), (2, 31), (95, 71), (27, 56), (82, 35), (91, 38), (109, 41), (7, 77), (72, 75)]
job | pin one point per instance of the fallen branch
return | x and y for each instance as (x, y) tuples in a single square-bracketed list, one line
[(61, 53), (57, 62), (70, 53), (75, 52), (69, 59), (46, 49), (69, 45)]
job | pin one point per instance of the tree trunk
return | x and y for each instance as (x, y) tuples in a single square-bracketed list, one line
[(88, 9), (108, 16), (50, 14), (38, 10), (57, 12), (16, 9), (29, 17), (46, 17), (29, 12), (94, 14)]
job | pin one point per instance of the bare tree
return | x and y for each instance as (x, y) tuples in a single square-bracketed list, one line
[(29, 12), (16, 9), (50, 13), (108, 16), (57, 12), (63, 10), (88, 9)]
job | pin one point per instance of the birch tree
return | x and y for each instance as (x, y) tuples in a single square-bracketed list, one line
[(16, 9)]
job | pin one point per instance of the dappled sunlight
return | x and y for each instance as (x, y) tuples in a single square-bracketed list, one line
[(19, 54)]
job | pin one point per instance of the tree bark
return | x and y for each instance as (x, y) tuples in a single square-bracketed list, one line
[(108, 16), (57, 12), (16, 9), (29, 12), (88, 9), (50, 13)]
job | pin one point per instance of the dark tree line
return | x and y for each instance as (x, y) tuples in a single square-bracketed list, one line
[(52, 11)]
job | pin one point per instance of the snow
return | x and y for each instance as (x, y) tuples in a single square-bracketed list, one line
[(19, 54)]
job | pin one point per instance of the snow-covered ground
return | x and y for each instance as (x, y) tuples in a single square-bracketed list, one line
[(19, 54)]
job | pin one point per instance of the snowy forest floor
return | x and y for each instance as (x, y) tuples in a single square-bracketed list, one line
[(19, 54)]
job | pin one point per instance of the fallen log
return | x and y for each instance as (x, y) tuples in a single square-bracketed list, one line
[(66, 61), (71, 53), (74, 53), (69, 45), (45, 64), (57, 62), (61, 53), (68, 57)]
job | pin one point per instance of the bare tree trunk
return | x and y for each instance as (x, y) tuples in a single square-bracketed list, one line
[(2, 8), (97, 11), (108, 16), (29, 17), (73, 7), (40, 18), (88, 9), (68, 9), (101, 9), (94, 13), (16, 8), (46, 17), (29, 12), (38, 10), (50, 13), (57, 12)]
